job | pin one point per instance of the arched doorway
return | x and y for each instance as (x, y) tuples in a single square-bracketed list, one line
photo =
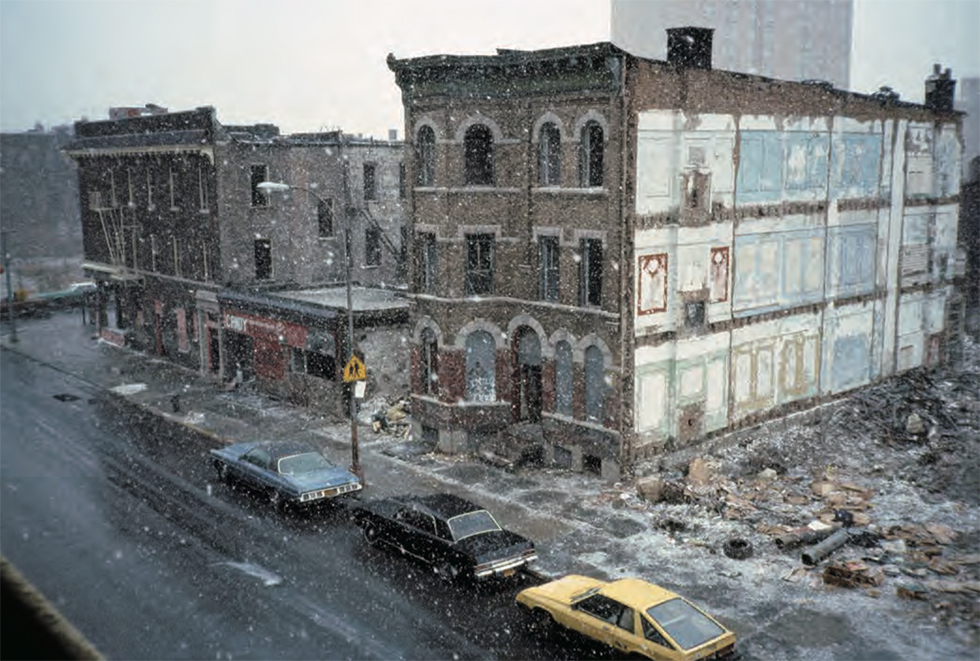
[(526, 403)]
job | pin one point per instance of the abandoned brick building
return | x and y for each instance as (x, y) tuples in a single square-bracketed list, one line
[(196, 263), (613, 256)]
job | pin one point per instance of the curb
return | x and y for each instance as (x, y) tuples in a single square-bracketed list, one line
[(41, 627)]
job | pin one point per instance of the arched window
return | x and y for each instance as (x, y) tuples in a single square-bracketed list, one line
[(425, 156), (478, 153), (563, 378), (590, 155), (480, 367), (595, 384), (549, 155), (430, 362)]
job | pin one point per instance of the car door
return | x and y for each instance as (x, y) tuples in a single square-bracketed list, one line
[(256, 466), (655, 643), (420, 533), (607, 621)]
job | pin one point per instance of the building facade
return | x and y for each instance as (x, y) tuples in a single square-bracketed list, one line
[(806, 40), (195, 262), (613, 256)]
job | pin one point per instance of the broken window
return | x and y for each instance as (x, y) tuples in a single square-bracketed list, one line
[(260, 173), (480, 367), (590, 272), (694, 314), (263, 259), (548, 256), (324, 218), (429, 360), (479, 264), (320, 365), (549, 155), (563, 378), (370, 182), (590, 155), (595, 384), (425, 262), (372, 246), (425, 155), (478, 156)]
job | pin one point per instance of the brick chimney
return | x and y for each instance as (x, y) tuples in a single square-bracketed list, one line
[(940, 89), (689, 47)]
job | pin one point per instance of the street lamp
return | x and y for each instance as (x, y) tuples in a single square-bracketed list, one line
[(268, 187)]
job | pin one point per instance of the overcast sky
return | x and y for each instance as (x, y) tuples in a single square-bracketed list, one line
[(306, 65)]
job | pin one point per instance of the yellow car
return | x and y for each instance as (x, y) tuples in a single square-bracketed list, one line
[(632, 616)]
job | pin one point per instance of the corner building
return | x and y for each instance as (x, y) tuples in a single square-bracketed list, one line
[(614, 256)]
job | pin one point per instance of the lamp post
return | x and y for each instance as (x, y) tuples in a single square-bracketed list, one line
[(270, 186)]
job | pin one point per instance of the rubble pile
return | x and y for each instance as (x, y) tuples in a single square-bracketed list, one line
[(852, 489)]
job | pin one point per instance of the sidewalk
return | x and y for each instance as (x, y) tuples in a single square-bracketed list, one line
[(544, 505)]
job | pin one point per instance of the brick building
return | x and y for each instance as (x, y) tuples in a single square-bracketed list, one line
[(196, 263), (614, 255)]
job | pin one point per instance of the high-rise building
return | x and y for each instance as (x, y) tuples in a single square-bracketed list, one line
[(802, 40)]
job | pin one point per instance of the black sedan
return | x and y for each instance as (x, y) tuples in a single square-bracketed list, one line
[(290, 472), (459, 538)]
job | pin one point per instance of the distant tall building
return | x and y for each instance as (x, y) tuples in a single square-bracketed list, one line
[(969, 102), (801, 40)]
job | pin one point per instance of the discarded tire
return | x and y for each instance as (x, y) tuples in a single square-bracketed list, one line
[(737, 548)]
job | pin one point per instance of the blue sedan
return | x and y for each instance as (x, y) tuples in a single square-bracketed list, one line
[(289, 472)]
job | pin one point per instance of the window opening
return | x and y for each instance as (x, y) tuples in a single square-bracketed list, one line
[(426, 156), (478, 152), (401, 181), (324, 218), (480, 367), (548, 255), (263, 259), (563, 378), (590, 268), (549, 155), (370, 182), (595, 384), (430, 366), (425, 267), (372, 246), (590, 155), (259, 174), (479, 264)]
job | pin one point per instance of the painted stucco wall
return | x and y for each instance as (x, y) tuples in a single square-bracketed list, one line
[(816, 268)]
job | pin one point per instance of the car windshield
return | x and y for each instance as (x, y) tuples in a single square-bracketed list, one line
[(472, 523), (688, 626), (303, 463)]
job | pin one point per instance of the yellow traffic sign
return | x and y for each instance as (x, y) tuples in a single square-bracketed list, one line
[(354, 370)]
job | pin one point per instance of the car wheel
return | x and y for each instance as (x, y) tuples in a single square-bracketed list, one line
[(278, 503), (448, 571), (223, 472), (371, 535), (541, 621)]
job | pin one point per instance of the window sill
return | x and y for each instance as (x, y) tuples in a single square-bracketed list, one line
[(560, 190)]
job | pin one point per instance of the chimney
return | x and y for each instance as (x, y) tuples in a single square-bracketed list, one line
[(940, 89), (689, 47)]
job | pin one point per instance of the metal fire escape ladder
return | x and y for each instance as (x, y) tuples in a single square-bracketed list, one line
[(385, 239)]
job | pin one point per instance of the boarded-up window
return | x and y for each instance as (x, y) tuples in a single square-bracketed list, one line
[(182, 342), (563, 378), (480, 367), (719, 275), (652, 271), (595, 384)]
